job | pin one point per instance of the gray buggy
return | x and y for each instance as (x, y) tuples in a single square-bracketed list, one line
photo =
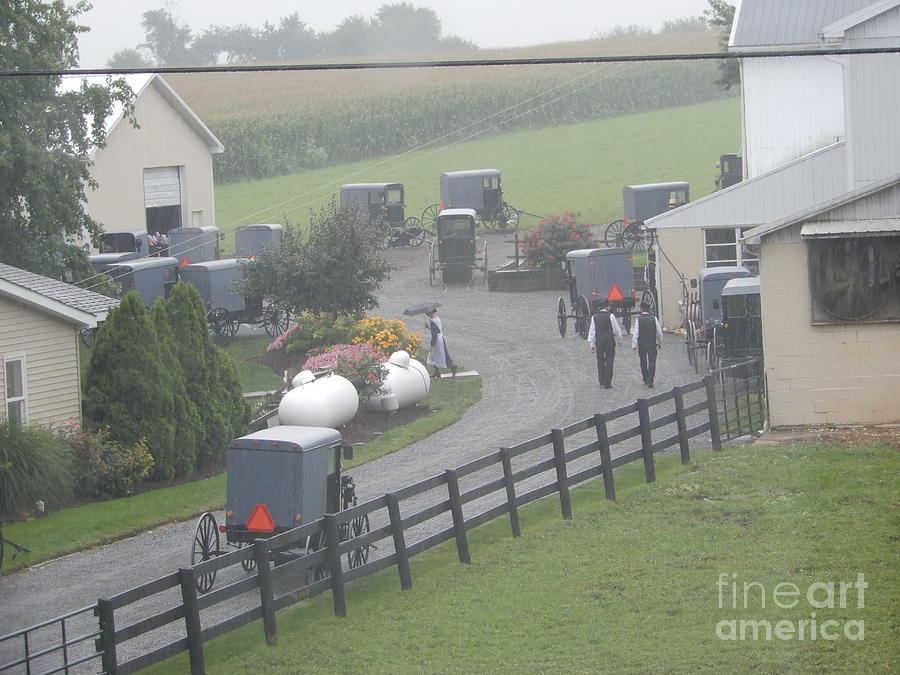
[(278, 479), (118, 246), (642, 202), (454, 253), (595, 275), (251, 240), (151, 278), (194, 244), (480, 190), (383, 203), (217, 282)]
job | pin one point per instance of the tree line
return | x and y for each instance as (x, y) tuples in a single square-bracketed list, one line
[(395, 28)]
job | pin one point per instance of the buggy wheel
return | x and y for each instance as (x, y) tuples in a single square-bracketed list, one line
[(250, 564), (415, 233), (648, 297), (613, 235), (713, 350), (358, 527), (484, 261), (582, 317), (509, 218), (87, 336), (232, 324), (429, 218), (633, 236), (218, 321), (205, 547), (320, 571), (275, 320), (692, 347), (561, 317)]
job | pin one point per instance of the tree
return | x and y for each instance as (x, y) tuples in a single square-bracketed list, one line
[(167, 41), (402, 27), (128, 58), (334, 268), (721, 14), (46, 132), (127, 388)]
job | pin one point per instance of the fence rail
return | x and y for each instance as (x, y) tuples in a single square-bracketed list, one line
[(510, 477)]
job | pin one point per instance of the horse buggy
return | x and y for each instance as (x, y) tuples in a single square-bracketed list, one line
[(251, 240), (641, 203), (739, 337), (383, 203), (117, 246), (479, 189), (278, 479), (151, 278), (595, 275), (704, 313), (194, 244), (454, 254), (218, 282)]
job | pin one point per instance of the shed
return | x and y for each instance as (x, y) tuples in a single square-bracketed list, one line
[(40, 322)]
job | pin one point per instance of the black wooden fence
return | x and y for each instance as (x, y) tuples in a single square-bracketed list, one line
[(505, 475)]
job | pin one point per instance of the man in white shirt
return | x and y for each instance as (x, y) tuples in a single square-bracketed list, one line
[(603, 336), (647, 340)]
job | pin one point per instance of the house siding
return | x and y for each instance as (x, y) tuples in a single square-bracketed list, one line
[(163, 139), (834, 374), (52, 373)]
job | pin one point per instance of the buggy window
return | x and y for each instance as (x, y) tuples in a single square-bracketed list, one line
[(491, 183), (394, 196), (376, 197), (457, 227), (735, 306), (677, 198), (117, 242)]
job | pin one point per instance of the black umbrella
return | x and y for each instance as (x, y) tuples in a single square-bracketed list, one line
[(421, 308)]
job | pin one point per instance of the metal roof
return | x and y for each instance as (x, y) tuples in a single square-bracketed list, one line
[(58, 298), (877, 227), (782, 23), (742, 286), (458, 212), (471, 173), (145, 263)]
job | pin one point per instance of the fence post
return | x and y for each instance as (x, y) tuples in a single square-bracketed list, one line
[(713, 412), (510, 492), (333, 541), (399, 541), (609, 487), (683, 444), (646, 440), (106, 643), (266, 594), (188, 581), (459, 525), (562, 479)]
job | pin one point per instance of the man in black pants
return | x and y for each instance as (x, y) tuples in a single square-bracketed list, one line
[(647, 340), (602, 337)]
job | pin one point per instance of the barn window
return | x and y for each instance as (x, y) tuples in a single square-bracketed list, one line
[(16, 394), (723, 249), (855, 279)]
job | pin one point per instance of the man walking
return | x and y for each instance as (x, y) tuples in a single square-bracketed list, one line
[(647, 340), (603, 336)]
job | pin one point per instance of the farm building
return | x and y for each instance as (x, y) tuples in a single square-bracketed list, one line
[(156, 176), (40, 323), (844, 171)]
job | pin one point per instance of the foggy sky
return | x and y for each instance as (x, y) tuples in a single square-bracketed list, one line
[(116, 24)]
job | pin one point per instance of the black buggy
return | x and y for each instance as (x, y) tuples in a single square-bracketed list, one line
[(641, 203), (595, 275), (738, 338), (383, 203), (278, 479), (117, 246), (480, 190), (454, 253), (227, 309)]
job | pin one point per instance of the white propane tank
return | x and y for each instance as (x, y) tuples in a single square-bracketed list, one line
[(405, 384), (329, 401)]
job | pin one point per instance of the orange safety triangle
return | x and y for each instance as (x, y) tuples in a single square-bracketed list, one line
[(184, 261), (615, 294), (260, 520)]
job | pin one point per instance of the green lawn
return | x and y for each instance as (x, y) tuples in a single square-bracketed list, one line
[(580, 167), (631, 586)]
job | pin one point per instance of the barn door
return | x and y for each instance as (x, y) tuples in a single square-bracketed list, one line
[(162, 198)]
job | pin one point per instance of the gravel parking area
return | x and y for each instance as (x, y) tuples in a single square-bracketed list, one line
[(532, 380)]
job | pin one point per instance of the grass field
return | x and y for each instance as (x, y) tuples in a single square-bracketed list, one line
[(580, 167), (639, 585)]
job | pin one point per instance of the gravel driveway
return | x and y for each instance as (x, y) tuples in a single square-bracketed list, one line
[(532, 380)]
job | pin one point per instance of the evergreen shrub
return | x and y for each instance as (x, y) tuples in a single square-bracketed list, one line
[(35, 465)]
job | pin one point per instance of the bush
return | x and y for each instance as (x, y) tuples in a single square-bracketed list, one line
[(103, 468), (547, 244), (361, 364), (387, 335), (34, 465), (318, 331)]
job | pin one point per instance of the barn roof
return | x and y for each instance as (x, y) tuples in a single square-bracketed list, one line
[(62, 300), (139, 83), (795, 23)]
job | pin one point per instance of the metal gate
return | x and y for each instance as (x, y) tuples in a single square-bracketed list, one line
[(741, 399)]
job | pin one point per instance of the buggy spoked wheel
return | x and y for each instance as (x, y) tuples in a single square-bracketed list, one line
[(648, 298), (561, 317), (315, 543), (205, 547), (691, 340), (509, 218), (358, 527), (582, 317), (415, 233), (633, 236), (218, 319), (87, 336), (613, 236), (250, 564), (429, 218), (275, 320)]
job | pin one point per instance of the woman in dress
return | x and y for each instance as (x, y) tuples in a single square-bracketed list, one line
[(438, 356)]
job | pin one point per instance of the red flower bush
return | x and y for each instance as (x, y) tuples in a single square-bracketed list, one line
[(547, 244)]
